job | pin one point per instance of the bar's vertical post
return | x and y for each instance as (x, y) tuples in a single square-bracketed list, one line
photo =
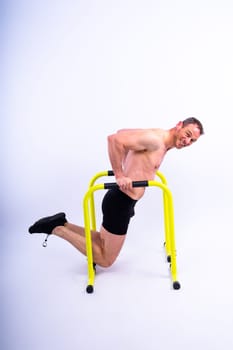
[(167, 221), (87, 226), (176, 284), (92, 212), (91, 202), (166, 218), (170, 216)]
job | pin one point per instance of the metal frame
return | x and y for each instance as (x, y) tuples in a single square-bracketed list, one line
[(90, 221)]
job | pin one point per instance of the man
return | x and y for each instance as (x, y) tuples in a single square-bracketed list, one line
[(135, 154)]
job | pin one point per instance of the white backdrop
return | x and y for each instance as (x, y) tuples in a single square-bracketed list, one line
[(76, 71)]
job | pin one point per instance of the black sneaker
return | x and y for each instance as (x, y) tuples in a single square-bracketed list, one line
[(47, 224)]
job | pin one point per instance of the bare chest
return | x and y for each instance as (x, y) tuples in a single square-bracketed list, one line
[(143, 164)]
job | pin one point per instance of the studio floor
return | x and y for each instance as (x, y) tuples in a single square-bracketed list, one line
[(45, 305)]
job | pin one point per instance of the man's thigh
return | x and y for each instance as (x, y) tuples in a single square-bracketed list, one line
[(112, 243)]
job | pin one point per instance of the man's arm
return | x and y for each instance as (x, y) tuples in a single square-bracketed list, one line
[(120, 143)]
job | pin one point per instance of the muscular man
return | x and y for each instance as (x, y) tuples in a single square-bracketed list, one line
[(135, 154)]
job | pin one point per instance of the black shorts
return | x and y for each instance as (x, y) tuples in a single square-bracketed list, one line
[(117, 209)]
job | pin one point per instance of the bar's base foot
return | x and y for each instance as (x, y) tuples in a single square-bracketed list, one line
[(176, 285), (90, 289)]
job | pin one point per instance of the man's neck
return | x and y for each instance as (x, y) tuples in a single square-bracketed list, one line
[(169, 139)]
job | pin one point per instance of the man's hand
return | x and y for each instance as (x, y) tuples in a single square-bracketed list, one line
[(125, 183)]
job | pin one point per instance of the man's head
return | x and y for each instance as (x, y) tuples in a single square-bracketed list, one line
[(187, 132)]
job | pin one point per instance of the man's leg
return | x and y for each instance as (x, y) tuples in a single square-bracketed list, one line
[(105, 245)]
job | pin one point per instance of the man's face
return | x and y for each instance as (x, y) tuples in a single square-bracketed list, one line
[(186, 135)]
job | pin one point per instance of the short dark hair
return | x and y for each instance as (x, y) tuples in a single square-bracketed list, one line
[(194, 121)]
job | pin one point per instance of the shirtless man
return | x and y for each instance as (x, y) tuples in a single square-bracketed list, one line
[(135, 154)]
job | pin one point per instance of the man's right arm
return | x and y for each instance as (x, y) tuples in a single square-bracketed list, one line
[(117, 153), (120, 143)]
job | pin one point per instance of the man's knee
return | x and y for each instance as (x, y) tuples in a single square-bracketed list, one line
[(107, 261)]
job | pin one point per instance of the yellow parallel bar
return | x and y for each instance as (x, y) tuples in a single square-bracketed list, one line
[(162, 177), (170, 224), (87, 225), (96, 176), (105, 173), (166, 216), (165, 208), (90, 221), (92, 203)]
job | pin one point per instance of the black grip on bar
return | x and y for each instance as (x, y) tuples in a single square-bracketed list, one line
[(140, 183), (109, 185), (110, 173)]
